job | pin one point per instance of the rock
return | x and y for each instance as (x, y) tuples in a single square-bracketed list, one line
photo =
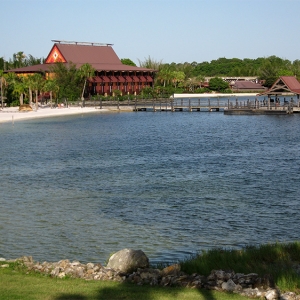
[(2, 259), (288, 296), (272, 295), (128, 260), (5, 266), (172, 270), (252, 293), (25, 107), (61, 275), (228, 286)]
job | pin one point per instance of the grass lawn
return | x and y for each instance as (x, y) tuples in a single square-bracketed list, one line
[(16, 284), (281, 261)]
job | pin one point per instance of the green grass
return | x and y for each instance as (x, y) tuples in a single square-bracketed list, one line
[(274, 259), (16, 284)]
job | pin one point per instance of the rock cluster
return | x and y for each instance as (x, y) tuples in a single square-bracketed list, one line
[(249, 285)]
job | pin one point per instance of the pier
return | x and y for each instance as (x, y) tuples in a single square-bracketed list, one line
[(230, 106)]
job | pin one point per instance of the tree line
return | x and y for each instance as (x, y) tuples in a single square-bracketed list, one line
[(190, 76), (69, 82)]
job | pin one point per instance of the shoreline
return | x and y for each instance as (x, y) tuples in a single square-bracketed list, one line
[(12, 114)]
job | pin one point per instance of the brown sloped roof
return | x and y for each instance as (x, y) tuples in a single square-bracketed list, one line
[(284, 84), (248, 85), (88, 54), (101, 58), (35, 68), (292, 83)]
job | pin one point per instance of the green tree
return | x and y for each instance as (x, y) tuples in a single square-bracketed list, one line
[(2, 63), (218, 84), (150, 63), (3, 84), (178, 78), (273, 67), (31, 61), (128, 62), (68, 80), (29, 82), (164, 75), (38, 82), (52, 87), (19, 89), (84, 72), (296, 68)]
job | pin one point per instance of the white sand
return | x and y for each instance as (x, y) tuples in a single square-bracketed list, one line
[(12, 114)]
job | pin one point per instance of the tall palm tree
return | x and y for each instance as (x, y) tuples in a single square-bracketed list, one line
[(3, 83), (18, 59), (164, 75), (29, 82), (85, 71), (177, 77), (38, 82), (19, 89), (51, 86)]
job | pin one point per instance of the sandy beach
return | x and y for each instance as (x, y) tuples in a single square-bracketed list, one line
[(12, 114)]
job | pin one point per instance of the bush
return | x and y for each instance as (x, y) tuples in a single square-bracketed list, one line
[(202, 90)]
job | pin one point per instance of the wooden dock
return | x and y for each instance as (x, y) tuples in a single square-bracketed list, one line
[(181, 105), (228, 106)]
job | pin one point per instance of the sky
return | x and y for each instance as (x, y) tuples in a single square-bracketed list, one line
[(165, 30)]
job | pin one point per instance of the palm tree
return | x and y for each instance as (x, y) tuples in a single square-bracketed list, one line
[(18, 59), (3, 83), (164, 75), (29, 82), (51, 86), (19, 89), (85, 71), (150, 63), (38, 82), (177, 77)]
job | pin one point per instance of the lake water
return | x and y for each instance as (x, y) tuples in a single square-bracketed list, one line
[(171, 184)]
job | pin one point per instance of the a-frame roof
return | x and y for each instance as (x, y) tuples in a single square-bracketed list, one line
[(283, 85), (81, 54)]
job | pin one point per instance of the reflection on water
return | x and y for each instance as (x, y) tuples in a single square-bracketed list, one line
[(167, 183)]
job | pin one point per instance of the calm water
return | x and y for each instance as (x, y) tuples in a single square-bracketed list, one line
[(167, 183)]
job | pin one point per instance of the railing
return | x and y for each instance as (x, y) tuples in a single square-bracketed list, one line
[(190, 104)]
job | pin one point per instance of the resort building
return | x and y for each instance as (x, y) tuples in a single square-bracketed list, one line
[(110, 73), (283, 86), (246, 86)]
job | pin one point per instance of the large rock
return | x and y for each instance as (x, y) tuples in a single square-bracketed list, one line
[(128, 260), (25, 107)]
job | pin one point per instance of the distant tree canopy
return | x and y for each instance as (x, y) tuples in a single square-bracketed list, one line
[(178, 77), (20, 60), (128, 61), (218, 84)]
